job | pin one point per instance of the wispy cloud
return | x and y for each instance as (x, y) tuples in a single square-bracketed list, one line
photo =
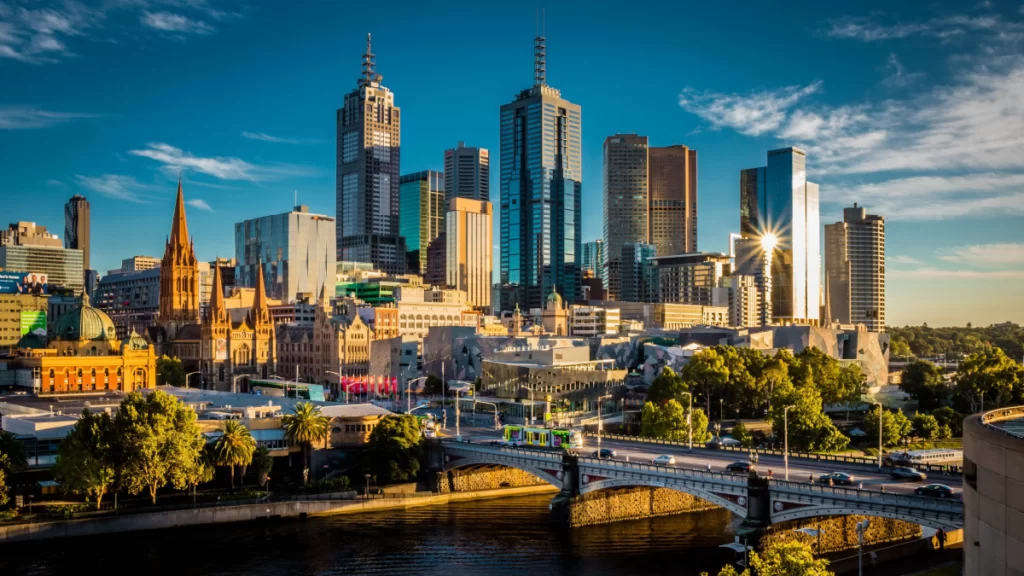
[(118, 187), (898, 76), (902, 259), (222, 167), (171, 22), (999, 254), (957, 273), (200, 204), (54, 182), (944, 28), (752, 114), (33, 35), (29, 117), (938, 197), (263, 136)]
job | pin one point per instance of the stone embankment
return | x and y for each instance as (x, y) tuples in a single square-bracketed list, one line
[(485, 479), (840, 532), (625, 504)]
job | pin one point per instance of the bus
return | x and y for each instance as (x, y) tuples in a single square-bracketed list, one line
[(564, 438), (936, 456)]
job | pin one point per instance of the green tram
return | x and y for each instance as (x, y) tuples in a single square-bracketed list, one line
[(543, 437)]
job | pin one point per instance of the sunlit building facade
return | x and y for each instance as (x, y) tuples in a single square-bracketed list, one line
[(421, 215)]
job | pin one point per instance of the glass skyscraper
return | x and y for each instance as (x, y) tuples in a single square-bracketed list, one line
[(777, 199), (421, 215), (541, 184)]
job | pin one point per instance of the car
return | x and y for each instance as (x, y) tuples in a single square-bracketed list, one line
[(741, 467), (837, 478), (907, 473), (935, 491), (664, 460), (604, 453)]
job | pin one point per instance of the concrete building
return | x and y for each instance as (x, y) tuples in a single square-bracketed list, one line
[(742, 296), (541, 188), (19, 315), (469, 237), (366, 186), (28, 234), (591, 321), (672, 192), (855, 269), (467, 173), (626, 206), (690, 278), (131, 299), (778, 202), (61, 266), (138, 263), (638, 274), (77, 225), (295, 249), (421, 215), (657, 316)]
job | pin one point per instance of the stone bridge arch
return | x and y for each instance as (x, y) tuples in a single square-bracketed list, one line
[(932, 520), (543, 465), (735, 503)]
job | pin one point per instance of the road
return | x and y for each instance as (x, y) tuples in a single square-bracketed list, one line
[(799, 470)]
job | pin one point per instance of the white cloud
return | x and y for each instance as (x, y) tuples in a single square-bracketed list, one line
[(752, 114), (999, 254), (199, 203), (225, 168), (171, 22), (263, 136), (954, 274), (902, 259), (945, 28), (937, 197), (29, 117), (54, 182), (898, 76), (117, 186)]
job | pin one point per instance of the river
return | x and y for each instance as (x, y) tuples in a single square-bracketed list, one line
[(509, 536)]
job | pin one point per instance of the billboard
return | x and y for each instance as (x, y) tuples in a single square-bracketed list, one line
[(221, 352), (32, 320), (23, 283)]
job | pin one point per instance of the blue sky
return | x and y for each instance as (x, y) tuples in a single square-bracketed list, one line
[(916, 112)]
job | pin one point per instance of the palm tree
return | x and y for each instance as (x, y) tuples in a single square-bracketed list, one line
[(234, 447), (305, 425)]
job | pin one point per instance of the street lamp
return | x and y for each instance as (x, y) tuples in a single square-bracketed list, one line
[(599, 425), (813, 533), (457, 390), (721, 409), (367, 494), (879, 435), (689, 422), (339, 382), (862, 527), (785, 437), (408, 392), (186, 378)]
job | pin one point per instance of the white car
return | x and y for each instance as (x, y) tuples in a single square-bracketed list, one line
[(664, 460)]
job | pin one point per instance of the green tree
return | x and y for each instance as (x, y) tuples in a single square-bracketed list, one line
[(304, 426), (791, 558), (923, 381), (771, 377), (899, 348), (264, 463), (809, 427), (84, 458), (14, 450), (736, 392), (742, 435), (394, 449), (169, 371), (951, 419), (667, 386), (812, 367), (895, 426), (668, 422), (706, 370), (433, 386), (850, 384), (234, 447), (5, 466), (158, 441), (926, 426), (989, 375)]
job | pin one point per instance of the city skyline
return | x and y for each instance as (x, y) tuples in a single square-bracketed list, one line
[(953, 243)]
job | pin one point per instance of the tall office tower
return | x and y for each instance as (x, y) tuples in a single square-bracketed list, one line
[(421, 216), (777, 202), (467, 173), (639, 273), (541, 184), (295, 250), (625, 202), (673, 199), (76, 226), (593, 257), (753, 261), (855, 269), (469, 234), (179, 275), (366, 186)]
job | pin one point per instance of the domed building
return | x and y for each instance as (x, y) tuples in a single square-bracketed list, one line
[(83, 356), (555, 315)]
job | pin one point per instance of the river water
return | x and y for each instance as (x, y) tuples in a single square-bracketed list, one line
[(509, 536)]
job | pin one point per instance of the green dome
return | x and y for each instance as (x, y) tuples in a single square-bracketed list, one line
[(554, 297), (135, 342), (84, 322), (32, 340)]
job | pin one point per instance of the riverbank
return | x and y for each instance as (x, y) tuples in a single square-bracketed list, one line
[(245, 513)]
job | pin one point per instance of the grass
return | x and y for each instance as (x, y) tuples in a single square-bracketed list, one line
[(952, 569)]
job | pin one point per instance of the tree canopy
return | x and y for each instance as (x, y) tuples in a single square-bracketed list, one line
[(895, 426), (169, 371), (955, 342), (667, 386), (394, 450), (923, 381), (85, 457), (793, 558), (989, 377), (304, 426), (234, 447)]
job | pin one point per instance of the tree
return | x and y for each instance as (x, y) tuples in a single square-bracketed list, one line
[(926, 426), (264, 463), (14, 450), (234, 447), (741, 435), (791, 558), (706, 369), (84, 458), (850, 384), (895, 426), (5, 466), (169, 371), (772, 376), (899, 348), (304, 426), (989, 377), (951, 419), (923, 381), (668, 422), (736, 391), (394, 449), (812, 367), (158, 441), (667, 386), (809, 427), (433, 386)]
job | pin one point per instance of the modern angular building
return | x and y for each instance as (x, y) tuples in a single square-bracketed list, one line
[(541, 185), (625, 202), (778, 202), (295, 249), (690, 278), (672, 189), (421, 215), (467, 172), (593, 257), (468, 253), (855, 269), (76, 227), (366, 185)]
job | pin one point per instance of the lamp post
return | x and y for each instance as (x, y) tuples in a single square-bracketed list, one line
[(814, 533), (408, 392), (861, 528), (689, 423), (367, 494), (457, 390), (785, 437), (339, 382), (721, 409), (186, 378), (475, 402), (879, 435), (599, 425)]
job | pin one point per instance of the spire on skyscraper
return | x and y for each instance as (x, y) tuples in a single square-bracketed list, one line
[(540, 60), (369, 66)]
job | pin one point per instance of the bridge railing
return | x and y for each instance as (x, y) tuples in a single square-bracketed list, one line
[(860, 460), (855, 494), (689, 473), (989, 419), (552, 455)]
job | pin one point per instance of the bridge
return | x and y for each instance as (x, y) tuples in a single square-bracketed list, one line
[(758, 500)]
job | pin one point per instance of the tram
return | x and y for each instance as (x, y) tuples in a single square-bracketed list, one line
[(543, 437)]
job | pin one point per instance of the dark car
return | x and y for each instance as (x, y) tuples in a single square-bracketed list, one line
[(604, 453), (837, 478), (742, 467), (935, 491), (906, 473)]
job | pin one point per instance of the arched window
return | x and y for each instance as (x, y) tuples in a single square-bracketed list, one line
[(106, 371), (93, 374), (79, 372), (93, 350), (51, 372), (118, 372)]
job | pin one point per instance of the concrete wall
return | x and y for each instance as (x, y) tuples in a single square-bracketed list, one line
[(607, 506)]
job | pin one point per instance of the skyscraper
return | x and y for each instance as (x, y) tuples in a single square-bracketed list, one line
[(777, 202), (625, 203), (672, 188), (76, 226), (467, 173), (593, 257), (366, 187), (468, 253), (855, 269), (421, 215), (639, 273), (541, 184)]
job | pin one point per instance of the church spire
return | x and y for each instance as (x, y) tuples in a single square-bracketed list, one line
[(217, 310), (260, 310), (179, 227)]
